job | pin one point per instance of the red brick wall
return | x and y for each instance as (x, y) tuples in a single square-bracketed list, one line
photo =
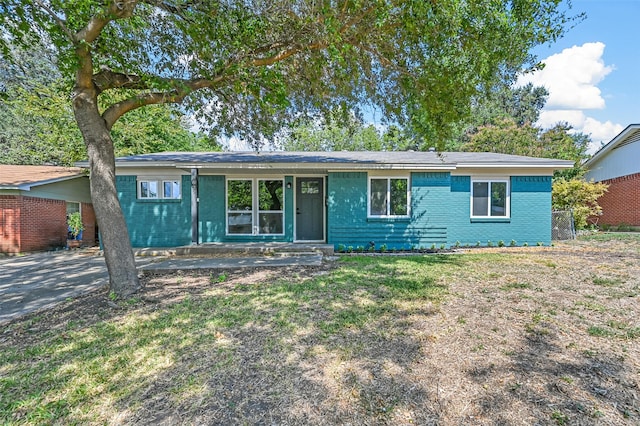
[(89, 222), (34, 224), (10, 223), (43, 224), (621, 203)]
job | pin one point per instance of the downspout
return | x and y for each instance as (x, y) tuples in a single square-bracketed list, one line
[(194, 206)]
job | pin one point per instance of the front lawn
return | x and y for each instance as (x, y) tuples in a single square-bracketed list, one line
[(501, 336)]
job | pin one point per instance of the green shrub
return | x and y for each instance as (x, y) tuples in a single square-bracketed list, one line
[(579, 196)]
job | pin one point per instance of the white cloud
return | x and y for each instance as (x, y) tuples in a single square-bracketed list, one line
[(571, 77), (599, 131)]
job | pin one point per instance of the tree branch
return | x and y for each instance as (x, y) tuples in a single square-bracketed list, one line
[(181, 89), (107, 79), (284, 54), (59, 21), (117, 9)]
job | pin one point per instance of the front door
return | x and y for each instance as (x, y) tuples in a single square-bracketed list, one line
[(310, 209)]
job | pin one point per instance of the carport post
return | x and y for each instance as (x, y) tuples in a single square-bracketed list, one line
[(194, 206)]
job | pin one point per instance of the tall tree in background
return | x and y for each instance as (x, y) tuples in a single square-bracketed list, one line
[(255, 64), (502, 106), (37, 125), (340, 130), (504, 122)]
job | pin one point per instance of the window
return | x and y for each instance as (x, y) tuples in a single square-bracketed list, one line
[(150, 189), (255, 206), (171, 189), (310, 187), (239, 206), (490, 198), (72, 207), (389, 197)]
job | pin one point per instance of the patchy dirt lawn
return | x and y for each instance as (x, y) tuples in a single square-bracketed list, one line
[(517, 336)]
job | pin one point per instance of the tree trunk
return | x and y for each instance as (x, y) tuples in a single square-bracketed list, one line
[(123, 275)]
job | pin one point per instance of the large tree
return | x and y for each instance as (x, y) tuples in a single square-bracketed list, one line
[(251, 64), (37, 125)]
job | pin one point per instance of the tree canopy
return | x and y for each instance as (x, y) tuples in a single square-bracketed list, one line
[(259, 62), (249, 66), (340, 131), (37, 125)]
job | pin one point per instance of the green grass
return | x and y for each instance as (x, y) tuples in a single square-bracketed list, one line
[(217, 339), (607, 281), (77, 375), (612, 236)]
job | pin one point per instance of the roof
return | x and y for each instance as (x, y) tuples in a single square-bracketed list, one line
[(629, 135), (25, 177), (341, 160)]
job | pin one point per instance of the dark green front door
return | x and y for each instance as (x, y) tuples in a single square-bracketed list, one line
[(310, 209)]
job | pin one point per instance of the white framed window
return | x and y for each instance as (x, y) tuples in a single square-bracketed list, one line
[(388, 197), (171, 189), (72, 207), (255, 206), (490, 198), (155, 189)]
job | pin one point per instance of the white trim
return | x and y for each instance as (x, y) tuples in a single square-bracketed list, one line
[(159, 181), (629, 130), (388, 197), (139, 183), (490, 180), (324, 208)]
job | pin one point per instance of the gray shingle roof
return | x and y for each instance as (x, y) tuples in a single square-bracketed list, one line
[(362, 158)]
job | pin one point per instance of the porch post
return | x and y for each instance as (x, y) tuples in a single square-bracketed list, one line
[(194, 206)]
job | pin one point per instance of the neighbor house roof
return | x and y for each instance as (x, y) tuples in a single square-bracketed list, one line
[(24, 177), (629, 135), (341, 160)]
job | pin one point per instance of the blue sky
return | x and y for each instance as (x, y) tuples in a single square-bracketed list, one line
[(593, 72)]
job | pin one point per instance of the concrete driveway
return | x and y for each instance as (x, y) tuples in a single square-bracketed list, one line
[(41, 280), (36, 281)]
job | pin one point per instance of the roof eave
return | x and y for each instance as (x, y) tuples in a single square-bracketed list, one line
[(612, 144), (29, 185), (554, 166)]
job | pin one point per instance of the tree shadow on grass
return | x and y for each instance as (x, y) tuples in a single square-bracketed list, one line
[(295, 350), (551, 384)]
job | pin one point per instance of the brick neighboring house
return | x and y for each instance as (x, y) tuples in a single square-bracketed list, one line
[(618, 165), (34, 203)]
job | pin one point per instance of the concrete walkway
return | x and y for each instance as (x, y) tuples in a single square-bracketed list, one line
[(41, 280)]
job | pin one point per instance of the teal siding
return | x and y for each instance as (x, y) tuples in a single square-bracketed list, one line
[(347, 213), (212, 215), (530, 220), (440, 213), (155, 223), (76, 189)]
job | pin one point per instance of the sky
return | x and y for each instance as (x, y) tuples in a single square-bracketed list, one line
[(592, 73)]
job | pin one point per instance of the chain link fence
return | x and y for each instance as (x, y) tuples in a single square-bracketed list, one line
[(562, 226)]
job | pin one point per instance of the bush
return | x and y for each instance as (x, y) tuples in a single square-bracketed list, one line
[(579, 196)]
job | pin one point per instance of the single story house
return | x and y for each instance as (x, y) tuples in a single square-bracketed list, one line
[(35, 202), (618, 165), (398, 199)]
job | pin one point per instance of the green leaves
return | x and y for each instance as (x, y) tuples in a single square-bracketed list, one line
[(418, 62)]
